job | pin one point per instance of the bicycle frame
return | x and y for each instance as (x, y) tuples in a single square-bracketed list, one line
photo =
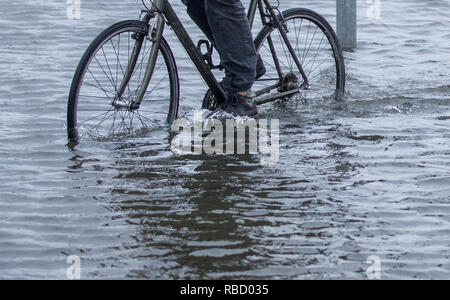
[(164, 13)]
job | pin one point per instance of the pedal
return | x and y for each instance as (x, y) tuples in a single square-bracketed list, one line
[(207, 56)]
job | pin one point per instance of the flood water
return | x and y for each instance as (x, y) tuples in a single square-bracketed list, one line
[(371, 177)]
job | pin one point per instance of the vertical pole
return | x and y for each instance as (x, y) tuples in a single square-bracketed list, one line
[(346, 23)]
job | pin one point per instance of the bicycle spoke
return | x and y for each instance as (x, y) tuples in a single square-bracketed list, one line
[(323, 71), (93, 85), (310, 44), (99, 85), (315, 57), (110, 80), (93, 118), (284, 50), (101, 122), (297, 38), (139, 87), (117, 52), (319, 65), (159, 82), (109, 68), (140, 117), (306, 42)]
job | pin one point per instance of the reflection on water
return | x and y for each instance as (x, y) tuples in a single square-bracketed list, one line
[(367, 177)]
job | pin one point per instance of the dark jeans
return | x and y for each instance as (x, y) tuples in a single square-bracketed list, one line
[(225, 24)]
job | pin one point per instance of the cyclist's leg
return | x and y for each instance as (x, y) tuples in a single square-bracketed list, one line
[(196, 10), (234, 42)]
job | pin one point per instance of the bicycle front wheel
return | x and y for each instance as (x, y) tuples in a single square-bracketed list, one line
[(317, 48), (107, 81)]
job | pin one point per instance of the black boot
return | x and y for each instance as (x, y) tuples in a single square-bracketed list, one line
[(239, 106)]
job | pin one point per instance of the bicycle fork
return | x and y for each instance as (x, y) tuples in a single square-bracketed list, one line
[(155, 35)]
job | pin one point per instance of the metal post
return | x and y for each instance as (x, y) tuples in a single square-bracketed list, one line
[(346, 23)]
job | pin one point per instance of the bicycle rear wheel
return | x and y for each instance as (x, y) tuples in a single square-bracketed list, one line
[(316, 46), (95, 109)]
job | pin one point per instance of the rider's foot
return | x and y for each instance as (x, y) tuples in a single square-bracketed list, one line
[(240, 104), (249, 94)]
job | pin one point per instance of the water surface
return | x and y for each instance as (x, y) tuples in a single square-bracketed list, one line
[(371, 177)]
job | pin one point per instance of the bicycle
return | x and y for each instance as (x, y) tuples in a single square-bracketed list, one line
[(108, 98)]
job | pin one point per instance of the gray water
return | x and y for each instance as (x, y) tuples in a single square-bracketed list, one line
[(371, 177)]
